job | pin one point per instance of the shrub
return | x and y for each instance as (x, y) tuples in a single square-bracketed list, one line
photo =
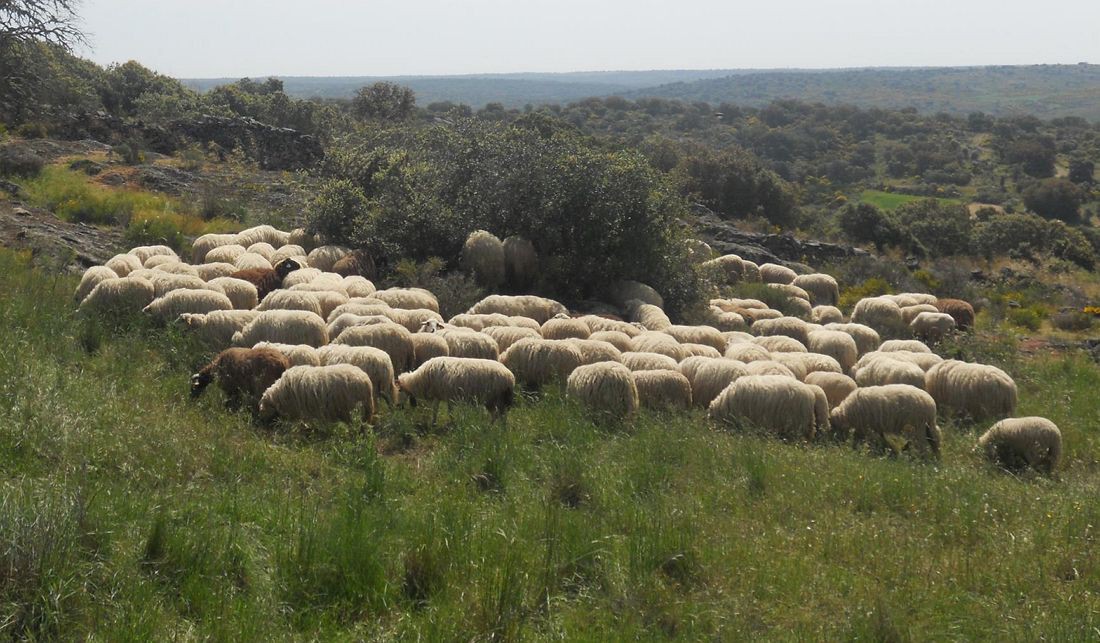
[(1054, 198), (938, 228), (129, 152), (872, 287), (32, 130), (19, 162), (1030, 318), (1074, 321), (455, 291), (865, 223)]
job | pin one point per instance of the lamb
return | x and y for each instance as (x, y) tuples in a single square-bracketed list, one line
[(648, 362), (837, 386), (372, 361), (92, 278), (607, 388), (822, 288), (657, 342), (727, 268), (241, 372), (242, 293), (225, 254), (520, 262), (408, 298), (483, 257), (1019, 443), (747, 352), (932, 326), (470, 344), (267, 280), (123, 265), (296, 354), (171, 306), (880, 313), (826, 315), (429, 345), (789, 326), (539, 309), (836, 344), (284, 327), (867, 339), (263, 234), (780, 405), (711, 378), (593, 351), (771, 273), (648, 315), (563, 327), (218, 327), (121, 296), (324, 258), (883, 414), (908, 345), (623, 292), (885, 371), (211, 271), (536, 362), (975, 391), (458, 379), (357, 263), (395, 340), (962, 312), (144, 252), (320, 393), (780, 344), (663, 390), (707, 335), (505, 336)]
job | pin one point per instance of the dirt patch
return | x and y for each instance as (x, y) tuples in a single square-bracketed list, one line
[(54, 243)]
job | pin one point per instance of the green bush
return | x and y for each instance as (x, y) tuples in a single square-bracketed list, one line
[(129, 152), (32, 130), (938, 228), (1030, 318), (1073, 321)]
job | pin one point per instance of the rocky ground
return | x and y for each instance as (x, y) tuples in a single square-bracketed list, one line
[(72, 247)]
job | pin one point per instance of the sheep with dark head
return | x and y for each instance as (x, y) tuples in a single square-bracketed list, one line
[(267, 279), (241, 372)]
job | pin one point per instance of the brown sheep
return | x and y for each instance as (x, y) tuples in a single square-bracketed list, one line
[(359, 262), (267, 279), (962, 312), (241, 372)]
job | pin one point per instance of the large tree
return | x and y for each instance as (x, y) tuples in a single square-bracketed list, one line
[(383, 101), (25, 26)]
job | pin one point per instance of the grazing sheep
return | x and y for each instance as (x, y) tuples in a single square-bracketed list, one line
[(750, 271), (359, 309), (623, 292), (880, 415), (739, 304), (505, 336), (225, 254), (536, 362), (698, 250), (372, 361), (932, 326), (211, 271), (802, 364), (120, 296), (284, 327), (837, 386), (123, 265), (772, 367), (690, 365), (289, 251), (483, 257), (788, 326), (428, 345), (711, 378), (246, 372), (618, 339), (728, 268), (726, 321), (263, 234), (348, 320), (648, 315), (706, 335), (358, 286), (487, 320), (291, 300), (322, 284), (648, 362), (252, 261), (459, 379), (394, 339), (699, 350), (607, 388), (597, 324), (753, 315), (324, 258), (357, 263), (242, 293), (320, 393), (164, 283), (826, 315), (880, 313), (771, 273), (962, 312), (172, 305), (885, 370), (207, 242), (912, 299), (520, 262), (593, 351), (780, 344), (300, 237), (267, 280), (296, 354), (792, 291), (663, 390), (539, 309), (144, 252), (779, 405), (1019, 443), (562, 327), (747, 352), (974, 391), (300, 276), (413, 318), (866, 338), (471, 344), (408, 298), (736, 337), (909, 313), (822, 289), (908, 345), (218, 327), (264, 249), (924, 361), (92, 278), (836, 344), (156, 260), (657, 342)]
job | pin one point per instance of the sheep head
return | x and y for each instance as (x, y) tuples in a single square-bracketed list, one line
[(286, 266), (199, 382)]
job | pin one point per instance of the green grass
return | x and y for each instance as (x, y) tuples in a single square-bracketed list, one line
[(893, 200), (129, 512)]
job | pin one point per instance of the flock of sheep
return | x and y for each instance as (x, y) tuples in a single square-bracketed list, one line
[(306, 335)]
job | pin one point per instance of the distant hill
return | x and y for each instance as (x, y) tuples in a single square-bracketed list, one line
[(1046, 91)]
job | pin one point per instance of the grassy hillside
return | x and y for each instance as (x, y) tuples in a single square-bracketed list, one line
[(131, 512)]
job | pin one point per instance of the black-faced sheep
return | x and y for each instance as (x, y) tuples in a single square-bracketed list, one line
[(267, 280), (1019, 443), (241, 372)]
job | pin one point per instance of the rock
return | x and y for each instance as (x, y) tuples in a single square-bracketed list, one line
[(87, 166), (165, 179)]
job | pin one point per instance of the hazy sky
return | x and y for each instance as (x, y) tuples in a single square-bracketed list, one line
[(235, 38)]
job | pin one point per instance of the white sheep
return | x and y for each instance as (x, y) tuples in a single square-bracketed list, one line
[(616, 338), (263, 234), (657, 342), (242, 293), (348, 320), (1018, 443), (780, 344), (218, 327), (357, 308), (867, 339), (907, 345), (747, 352), (467, 343), (520, 262), (712, 377), (428, 345), (171, 306), (706, 335), (779, 405), (505, 336), (289, 251), (637, 361), (284, 327), (325, 257), (789, 326), (299, 237), (727, 268), (772, 367), (211, 271), (598, 323), (252, 261), (144, 252), (563, 327), (663, 390), (296, 354), (262, 248), (394, 339), (884, 415), (164, 283), (822, 289), (791, 290), (837, 386), (413, 319), (648, 315), (208, 242), (932, 326), (593, 351), (119, 296), (975, 391), (320, 393), (924, 361), (771, 273), (301, 276), (836, 344), (408, 298), (156, 260), (802, 364), (291, 300), (912, 299), (123, 265), (750, 271), (623, 292), (458, 379), (372, 361), (698, 350), (92, 278), (357, 286), (883, 371), (224, 254), (537, 362), (909, 313), (880, 313), (483, 257), (826, 315), (726, 321), (607, 388), (539, 309)]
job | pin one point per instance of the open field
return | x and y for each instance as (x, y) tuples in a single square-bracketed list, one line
[(893, 200), (131, 512)]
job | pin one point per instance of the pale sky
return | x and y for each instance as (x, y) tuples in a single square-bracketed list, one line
[(236, 38)]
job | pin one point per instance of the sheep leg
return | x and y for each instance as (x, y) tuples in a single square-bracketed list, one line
[(435, 412)]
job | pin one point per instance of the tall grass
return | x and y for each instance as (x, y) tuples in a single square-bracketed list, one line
[(127, 511)]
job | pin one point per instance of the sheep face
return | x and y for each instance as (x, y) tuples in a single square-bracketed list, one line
[(199, 382), (286, 266)]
